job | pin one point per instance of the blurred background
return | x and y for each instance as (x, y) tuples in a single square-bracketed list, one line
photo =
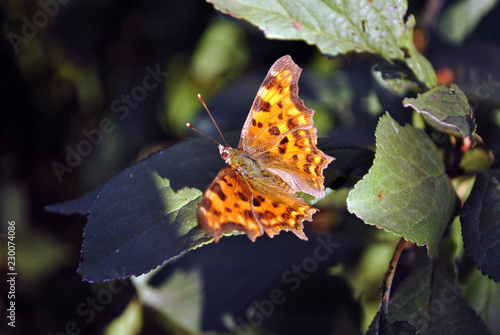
[(123, 76)]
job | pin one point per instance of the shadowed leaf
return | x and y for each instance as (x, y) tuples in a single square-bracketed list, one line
[(430, 300), (446, 109), (147, 214), (80, 205), (481, 224)]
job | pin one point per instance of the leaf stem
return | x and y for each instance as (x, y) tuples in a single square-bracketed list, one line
[(387, 282)]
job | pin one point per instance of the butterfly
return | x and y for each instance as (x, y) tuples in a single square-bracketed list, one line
[(275, 158)]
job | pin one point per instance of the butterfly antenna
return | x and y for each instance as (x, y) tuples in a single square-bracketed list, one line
[(189, 125), (215, 123)]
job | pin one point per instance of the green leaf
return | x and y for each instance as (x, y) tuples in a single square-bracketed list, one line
[(386, 327), (406, 191), (481, 224), (397, 77), (350, 161), (431, 301), (477, 158), (147, 214), (484, 296), (80, 205), (179, 298), (219, 56), (462, 17), (338, 27), (446, 109), (235, 275), (420, 66), (130, 322)]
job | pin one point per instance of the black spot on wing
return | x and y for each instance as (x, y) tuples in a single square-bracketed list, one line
[(242, 197), (264, 106), (218, 190), (274, 131), (270, 82), (248, 214)]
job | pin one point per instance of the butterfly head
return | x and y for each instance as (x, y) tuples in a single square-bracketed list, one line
[(226, 153)]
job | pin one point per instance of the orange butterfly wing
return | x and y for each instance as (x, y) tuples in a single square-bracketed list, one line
[(279, 131), (232, 202)]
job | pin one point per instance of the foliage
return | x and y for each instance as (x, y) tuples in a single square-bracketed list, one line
[(413, 186)]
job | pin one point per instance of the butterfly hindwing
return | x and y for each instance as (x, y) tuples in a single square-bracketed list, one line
[(232, 202), (227, 206), (277, 209)]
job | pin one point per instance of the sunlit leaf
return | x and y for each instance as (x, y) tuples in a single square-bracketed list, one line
[(477, 159), (147, 214), (179, 298), (338, 27), (406, 191), (484, 296)]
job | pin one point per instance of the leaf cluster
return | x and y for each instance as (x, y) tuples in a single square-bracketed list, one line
[(423, 180)]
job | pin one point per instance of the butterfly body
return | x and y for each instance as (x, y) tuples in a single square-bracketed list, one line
[(276, 157), (240, 160)]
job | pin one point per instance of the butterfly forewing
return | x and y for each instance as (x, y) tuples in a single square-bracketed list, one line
[(275, 108), (279, 131)]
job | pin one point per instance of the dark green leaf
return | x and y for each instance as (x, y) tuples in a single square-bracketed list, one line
[(337, 27), (406, 191), (398, 77), (481, 223), (435, 306), (446, 109), (350, 161), (147, 214), (237, 275), (80, 205), (430, 300), (386, 327)]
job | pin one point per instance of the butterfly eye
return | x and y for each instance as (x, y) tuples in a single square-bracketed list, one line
[(225, 155)]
